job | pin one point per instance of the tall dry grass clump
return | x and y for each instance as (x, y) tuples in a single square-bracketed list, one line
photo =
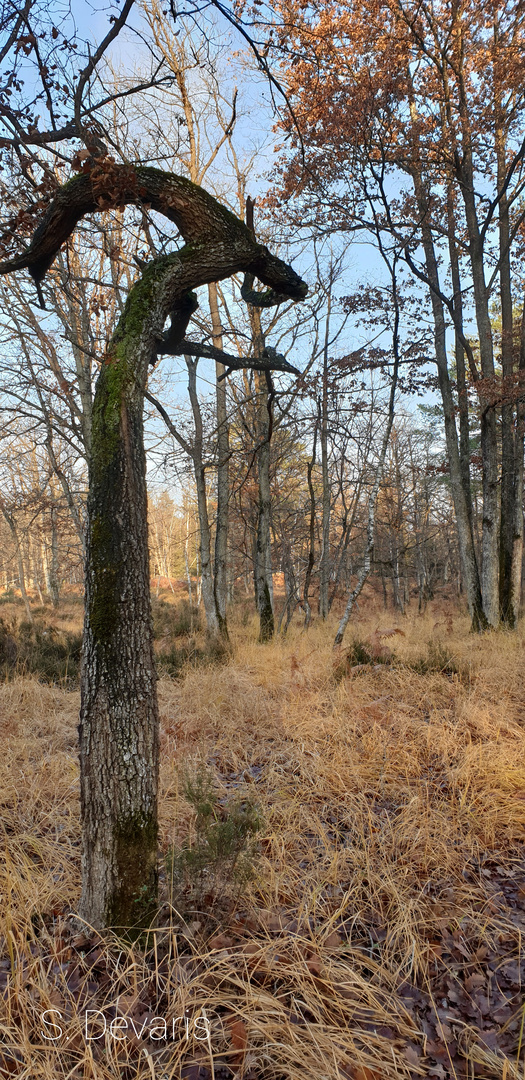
[(381, 936)]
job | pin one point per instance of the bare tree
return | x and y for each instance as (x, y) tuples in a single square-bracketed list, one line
[(119, 716)]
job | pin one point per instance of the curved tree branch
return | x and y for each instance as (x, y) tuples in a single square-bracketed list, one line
[(215, 238)]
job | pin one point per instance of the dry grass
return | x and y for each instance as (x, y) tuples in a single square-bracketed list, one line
[(382, 935)]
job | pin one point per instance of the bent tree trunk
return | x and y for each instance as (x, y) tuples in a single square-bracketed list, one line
[(119, 713)]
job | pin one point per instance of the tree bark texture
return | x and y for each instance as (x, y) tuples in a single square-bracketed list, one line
[(459, 352), (119, 714), (262, 563), (325, 545), (517, 531), (311, 536), (54, 579), (217, 243)]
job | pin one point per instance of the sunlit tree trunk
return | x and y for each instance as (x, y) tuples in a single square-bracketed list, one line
[(54, 571), (459, 353), (517, 538), (119, 713), (489, 441)]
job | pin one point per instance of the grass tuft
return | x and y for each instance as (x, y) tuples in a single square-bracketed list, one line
[(40, 649), (438, 658), (219, 855)]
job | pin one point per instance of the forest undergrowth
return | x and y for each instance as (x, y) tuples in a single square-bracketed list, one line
[(381, 934)]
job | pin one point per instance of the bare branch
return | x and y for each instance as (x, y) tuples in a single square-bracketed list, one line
[(87, 72), (271, 360)]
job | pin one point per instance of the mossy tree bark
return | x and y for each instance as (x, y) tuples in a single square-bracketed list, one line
[(119, 713), (119, 743)]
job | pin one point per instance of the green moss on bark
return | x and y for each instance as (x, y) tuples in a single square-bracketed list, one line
[(103, 613), (105, 478), (198, 193), (119, 371), (115, 385), (106, 419), (133, 905), (73, 181)]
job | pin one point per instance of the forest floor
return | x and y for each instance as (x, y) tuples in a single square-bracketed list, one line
[(382, 936)]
